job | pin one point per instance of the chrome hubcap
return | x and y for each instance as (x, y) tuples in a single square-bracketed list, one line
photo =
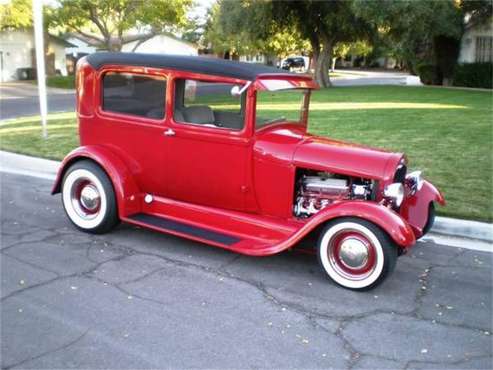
[(353, 253), (86, 199), (89, 197)]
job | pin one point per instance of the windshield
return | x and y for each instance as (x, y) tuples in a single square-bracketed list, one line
[(281, 106)]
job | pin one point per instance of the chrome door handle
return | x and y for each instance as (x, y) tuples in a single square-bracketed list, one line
[(169, 132)]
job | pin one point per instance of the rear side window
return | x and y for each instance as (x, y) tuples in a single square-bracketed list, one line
[(208, 103), (134, 94)]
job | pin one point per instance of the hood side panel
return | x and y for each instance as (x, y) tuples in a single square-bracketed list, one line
[(273, 170), (344, 158)]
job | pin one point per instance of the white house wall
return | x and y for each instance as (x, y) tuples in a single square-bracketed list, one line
[(60, 59), (468, 42), (16, 48), (162, 44)]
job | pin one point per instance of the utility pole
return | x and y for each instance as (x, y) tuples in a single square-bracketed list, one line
[(40, 62)]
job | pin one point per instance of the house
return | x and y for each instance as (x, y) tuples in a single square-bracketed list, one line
[(17, 55), (258, 58), (81, 46), (163, 43), (477, 43)]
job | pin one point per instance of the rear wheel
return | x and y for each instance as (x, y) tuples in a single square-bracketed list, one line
[(355, 253), (88, 198)]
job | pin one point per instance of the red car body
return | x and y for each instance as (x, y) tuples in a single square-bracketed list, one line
[(247, 195)]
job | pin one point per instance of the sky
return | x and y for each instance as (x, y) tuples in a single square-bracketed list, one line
[(201, 8)]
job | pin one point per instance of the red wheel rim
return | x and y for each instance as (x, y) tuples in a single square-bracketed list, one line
[(352, 254), (81, 201)]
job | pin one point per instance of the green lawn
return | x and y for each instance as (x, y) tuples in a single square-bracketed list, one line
[(62, 82), (447, 133), (24, 136)]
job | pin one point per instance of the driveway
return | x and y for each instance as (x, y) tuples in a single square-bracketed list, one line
[(362, 78), (19, 99), (139, 299)]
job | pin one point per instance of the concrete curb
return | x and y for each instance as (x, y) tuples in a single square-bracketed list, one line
[(47, 169), (463, 228)]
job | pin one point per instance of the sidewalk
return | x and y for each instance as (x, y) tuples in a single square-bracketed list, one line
[(47, 169), (23, 89), (30, 166)]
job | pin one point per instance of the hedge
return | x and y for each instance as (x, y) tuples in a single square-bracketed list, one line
[(474, 75), (429, 74)]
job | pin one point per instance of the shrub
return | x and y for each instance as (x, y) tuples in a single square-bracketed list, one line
[(63, 82), (474, 75), (429, 74)]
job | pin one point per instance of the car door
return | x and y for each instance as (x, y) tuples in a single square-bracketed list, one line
[(131, 121), (207, 151)]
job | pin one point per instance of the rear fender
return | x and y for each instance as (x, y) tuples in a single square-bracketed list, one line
[(126, 190)]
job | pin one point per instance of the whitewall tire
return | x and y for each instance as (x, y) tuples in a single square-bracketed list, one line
[(355, 253), (88, 197)]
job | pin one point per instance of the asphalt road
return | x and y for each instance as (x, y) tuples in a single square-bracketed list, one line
[(139, 299), (20, 99)]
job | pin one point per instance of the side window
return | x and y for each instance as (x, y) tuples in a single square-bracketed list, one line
[(134, 94), (208, 103)]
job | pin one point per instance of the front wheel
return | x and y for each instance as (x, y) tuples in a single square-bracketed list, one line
[(355, 253), (88, 198), (431, 219)]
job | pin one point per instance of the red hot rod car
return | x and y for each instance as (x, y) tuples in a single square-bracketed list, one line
[(208, 149)]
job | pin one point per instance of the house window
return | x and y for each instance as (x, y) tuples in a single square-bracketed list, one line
[(133, 94), (484, 49)]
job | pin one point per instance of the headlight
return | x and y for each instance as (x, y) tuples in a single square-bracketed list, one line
[(395, 192), (415, 181)]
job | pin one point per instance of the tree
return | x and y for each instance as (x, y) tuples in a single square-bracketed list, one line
[(322, 24), (232, 29), (215, 36), (342, 49), (16, 14), (476, 11), (108, 21), (423, 31)]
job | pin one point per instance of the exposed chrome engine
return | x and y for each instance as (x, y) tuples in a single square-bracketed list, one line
[(316, 190)]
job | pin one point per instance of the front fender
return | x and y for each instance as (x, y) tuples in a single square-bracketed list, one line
[(389, 221), (415, 208), (126, 190)]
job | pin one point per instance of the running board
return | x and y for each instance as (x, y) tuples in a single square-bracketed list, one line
[(241, 232), (181, 228)]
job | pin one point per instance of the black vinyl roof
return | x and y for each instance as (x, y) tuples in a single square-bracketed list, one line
[(205, 65)]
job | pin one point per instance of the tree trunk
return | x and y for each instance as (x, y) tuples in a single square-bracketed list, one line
[(322, 69), (323, 60), (326, 61), (317, 59)]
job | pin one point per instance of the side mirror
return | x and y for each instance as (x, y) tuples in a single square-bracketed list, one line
[(237, 91)]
